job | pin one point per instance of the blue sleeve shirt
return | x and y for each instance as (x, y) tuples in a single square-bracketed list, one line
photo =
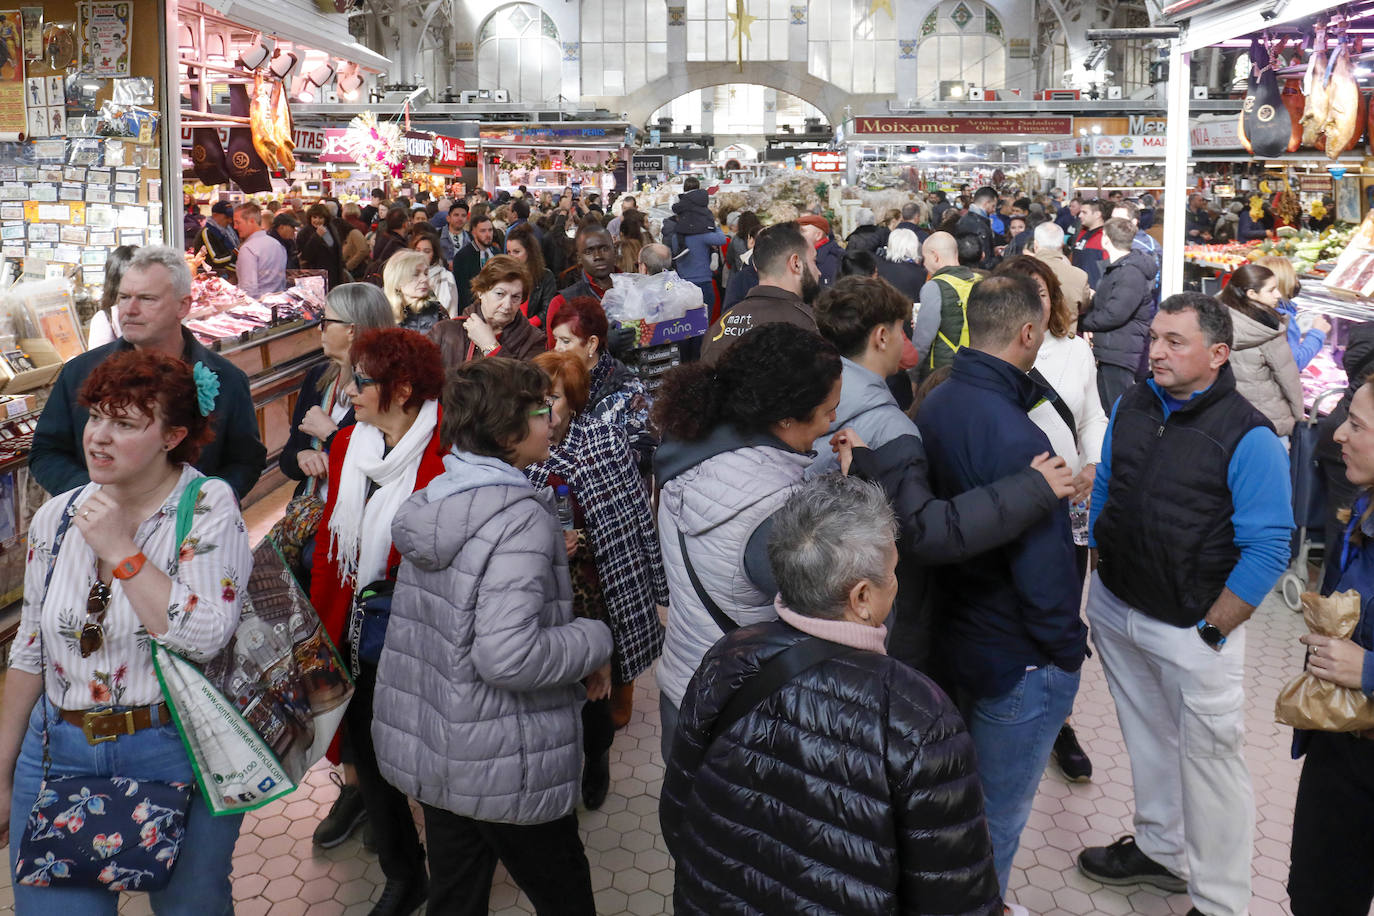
[(1261, 493), (1304, 345)]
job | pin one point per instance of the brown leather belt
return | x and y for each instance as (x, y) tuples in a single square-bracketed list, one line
[(100, 725)]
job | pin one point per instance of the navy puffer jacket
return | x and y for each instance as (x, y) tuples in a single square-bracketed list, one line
[(851, 790)]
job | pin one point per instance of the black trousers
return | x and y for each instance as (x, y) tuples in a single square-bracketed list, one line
[(598, 732), (1332, 871), (546, 861), (388, 810)]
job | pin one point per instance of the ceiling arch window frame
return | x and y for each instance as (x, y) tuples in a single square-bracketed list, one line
[(711, 31), (518, 50), (967, 42), (853, 44), (624, 45)]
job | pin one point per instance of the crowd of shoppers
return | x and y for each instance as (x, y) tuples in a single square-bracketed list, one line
[(864, 619)]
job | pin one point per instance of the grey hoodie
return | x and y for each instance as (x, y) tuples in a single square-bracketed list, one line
[(477, 708), (866, 406)]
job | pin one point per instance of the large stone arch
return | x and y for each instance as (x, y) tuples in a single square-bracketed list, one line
[(790, 77)]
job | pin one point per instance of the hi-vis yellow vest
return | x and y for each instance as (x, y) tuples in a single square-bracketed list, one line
[(955, 289)]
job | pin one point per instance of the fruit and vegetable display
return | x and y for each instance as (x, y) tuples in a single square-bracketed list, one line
[(1304, 247)]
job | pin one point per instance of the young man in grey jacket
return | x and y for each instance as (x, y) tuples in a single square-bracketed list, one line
[(863, 318)]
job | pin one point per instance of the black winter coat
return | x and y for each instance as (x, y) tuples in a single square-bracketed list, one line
[(851, 790), (973, 224), (907, 276), (935, 532), (1122, 310)]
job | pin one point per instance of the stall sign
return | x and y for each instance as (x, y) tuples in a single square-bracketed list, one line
[(1315, 184), (335, 147), (647, 163), (1221, 134), (530, 133), (1145, 124), (448, 152), (1147, 145), (308, 140), (1061, 149), (955, 126), (827, 162), (419, 147)]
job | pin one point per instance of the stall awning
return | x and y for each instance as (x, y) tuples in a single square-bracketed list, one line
[(299, 22), (1210, 22)]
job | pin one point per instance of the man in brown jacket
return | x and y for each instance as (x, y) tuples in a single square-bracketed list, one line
[(1073, 281), (788, 283)]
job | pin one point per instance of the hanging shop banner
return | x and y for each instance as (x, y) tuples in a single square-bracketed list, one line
[(13, 119), (649, 163), (1050, 127), (419, 147), (103, 29), (826, 162), (1223, 134), (449, 153), (335, 147)]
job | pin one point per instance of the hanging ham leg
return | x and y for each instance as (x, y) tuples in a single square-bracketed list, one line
[(1314, 88), (1343, 105), (260, 123), (281, 128)]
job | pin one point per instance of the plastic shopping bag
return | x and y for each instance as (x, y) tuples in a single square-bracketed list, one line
[(1307, 701), (255, 717)]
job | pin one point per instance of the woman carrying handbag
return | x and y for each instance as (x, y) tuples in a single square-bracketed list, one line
[(94, 774)]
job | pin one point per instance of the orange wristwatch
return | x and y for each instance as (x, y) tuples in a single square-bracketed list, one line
[(129, 567)]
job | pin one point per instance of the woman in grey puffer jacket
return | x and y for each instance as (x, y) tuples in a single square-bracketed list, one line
[(477, 709), (736, 442)]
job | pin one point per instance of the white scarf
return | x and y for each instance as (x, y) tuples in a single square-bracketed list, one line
[(360, 528)]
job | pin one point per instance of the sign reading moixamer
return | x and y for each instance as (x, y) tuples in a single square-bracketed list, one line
[(1051, 127)]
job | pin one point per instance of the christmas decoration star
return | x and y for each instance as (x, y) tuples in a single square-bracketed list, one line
[(875, 5), (742, 21)]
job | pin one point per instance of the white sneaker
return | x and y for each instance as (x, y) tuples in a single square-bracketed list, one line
[(1014, 909)]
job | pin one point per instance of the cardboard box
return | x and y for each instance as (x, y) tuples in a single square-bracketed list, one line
[(654, 333), (46, 366)]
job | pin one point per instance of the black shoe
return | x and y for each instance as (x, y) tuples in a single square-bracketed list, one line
[(1124, 863), (348, 812), (369, 841), (1068, 753), (596, 781), (401, 898)]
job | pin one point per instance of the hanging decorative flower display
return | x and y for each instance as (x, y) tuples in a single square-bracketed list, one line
[(380, 146)]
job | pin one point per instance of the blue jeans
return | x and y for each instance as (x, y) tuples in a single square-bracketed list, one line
[(1014, 734), (200, 879)]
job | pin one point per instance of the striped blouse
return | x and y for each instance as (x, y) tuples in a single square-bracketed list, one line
[(203, 609)]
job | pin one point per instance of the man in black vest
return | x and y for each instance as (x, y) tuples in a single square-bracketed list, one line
[(1191, 519)]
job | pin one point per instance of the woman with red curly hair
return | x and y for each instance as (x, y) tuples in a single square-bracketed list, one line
[(96, 595), (617, 395), (392, 451)]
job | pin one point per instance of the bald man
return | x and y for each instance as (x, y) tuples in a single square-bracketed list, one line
[(655, 259), (940, 326)]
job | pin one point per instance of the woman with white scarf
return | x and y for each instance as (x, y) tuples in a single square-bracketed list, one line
[(374, 466)]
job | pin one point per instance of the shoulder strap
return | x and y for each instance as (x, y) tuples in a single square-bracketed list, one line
[(57, 540), (61, 534), (774, 675), (1057, 402), (186, 508), (720, 617)]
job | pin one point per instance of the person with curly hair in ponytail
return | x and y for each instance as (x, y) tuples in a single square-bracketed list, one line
[(736, 442)]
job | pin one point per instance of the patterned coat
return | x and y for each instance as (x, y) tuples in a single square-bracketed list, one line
[(618, 398), (594, 458)]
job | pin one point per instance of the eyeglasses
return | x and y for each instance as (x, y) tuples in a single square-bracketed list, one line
[(93, 631), (328, 321), (362, 381), (545, 411)]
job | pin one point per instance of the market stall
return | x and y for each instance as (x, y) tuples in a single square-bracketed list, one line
[(545, 157)]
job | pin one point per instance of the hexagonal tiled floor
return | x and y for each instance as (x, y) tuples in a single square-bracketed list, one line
[(278, 872)]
